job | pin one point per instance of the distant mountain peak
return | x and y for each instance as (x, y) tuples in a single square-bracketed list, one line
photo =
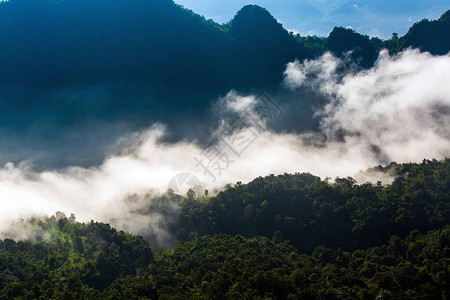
[(253, 14), (253, 22), (253, 8), (445, 16)]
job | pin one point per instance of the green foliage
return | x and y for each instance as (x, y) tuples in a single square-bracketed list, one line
[(278, 237), (315, 45), (226, 267), (311, 212), (78, 260)]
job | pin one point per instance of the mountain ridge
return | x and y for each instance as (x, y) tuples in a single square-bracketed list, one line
[(68, 66), (70, 42)]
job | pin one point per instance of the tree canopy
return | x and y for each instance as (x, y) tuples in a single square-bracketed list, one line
[(278, 237)]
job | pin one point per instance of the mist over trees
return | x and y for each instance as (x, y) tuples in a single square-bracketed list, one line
[(76, 76), (281, 237)]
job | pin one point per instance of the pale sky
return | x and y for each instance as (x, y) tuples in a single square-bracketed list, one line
[(372, 17)]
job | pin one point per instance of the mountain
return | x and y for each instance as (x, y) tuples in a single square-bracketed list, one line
[(342, 41), (53, 43), (81, 73), (261, 47), (431, 36)]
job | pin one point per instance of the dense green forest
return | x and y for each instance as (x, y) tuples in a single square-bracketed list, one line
[(310, 212), (290, 236), (278, 237)]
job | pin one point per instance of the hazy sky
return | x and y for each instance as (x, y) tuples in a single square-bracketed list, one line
[(373, 17)]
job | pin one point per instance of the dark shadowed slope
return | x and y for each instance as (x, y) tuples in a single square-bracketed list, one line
[(78, 74), (54, 43), (431, 36)]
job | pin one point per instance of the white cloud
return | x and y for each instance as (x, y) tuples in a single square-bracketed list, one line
[(401, 105), (398, 110)]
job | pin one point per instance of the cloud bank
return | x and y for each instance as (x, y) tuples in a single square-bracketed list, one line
[(400, 107), (396, 111)]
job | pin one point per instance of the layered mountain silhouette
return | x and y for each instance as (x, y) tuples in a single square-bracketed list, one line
[(80, 73), (53, 43)]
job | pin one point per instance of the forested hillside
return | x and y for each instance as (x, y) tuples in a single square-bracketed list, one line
[(309, 211), (100, 99), (278, 237), (431, 36), (56, 43), (82, 73), (88, 42)]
